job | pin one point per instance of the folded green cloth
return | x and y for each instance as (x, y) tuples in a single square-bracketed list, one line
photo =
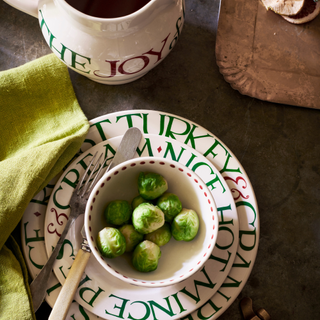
[(41, 128)]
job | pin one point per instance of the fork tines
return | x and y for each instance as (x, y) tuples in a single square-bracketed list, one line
[(87, 186)]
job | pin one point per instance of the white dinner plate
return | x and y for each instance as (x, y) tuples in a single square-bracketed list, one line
[(198, 138), (102, 285)]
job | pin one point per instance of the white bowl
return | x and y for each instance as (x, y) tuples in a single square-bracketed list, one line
[(179, 259)]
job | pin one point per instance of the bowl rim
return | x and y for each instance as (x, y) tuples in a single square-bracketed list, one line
[(148, 283)]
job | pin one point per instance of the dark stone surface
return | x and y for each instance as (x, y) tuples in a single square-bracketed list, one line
[(278, 146)]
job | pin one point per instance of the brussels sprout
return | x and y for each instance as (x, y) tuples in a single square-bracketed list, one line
[(170, 205), (185, 225), (145, 256), (147, 218), (132, 236), (118, 212), (111, 242), (137, 201), (160, 236), (151, 185)]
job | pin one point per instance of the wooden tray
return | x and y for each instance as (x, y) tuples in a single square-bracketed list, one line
[(263, 56)]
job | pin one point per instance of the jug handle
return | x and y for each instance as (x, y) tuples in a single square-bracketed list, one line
[(28, 6)]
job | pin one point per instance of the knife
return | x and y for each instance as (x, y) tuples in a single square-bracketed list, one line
[(69, 288), (125, 151)]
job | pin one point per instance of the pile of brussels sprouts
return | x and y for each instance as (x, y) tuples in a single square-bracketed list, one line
[(146, 224)]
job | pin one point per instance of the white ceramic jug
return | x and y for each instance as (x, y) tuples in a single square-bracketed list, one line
[(109, 51)]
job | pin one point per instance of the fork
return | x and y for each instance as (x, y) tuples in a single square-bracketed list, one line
[(78, 202), (125, 151)]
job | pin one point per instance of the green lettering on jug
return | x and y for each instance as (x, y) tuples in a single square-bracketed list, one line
[(179, 25), (61, 50)]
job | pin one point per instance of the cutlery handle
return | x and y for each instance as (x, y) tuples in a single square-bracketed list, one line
[(39, 285), (66, 295)]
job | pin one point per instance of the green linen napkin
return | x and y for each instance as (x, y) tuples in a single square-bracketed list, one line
[(41, 128)]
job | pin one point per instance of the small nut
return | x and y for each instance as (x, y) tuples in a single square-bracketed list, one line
[(249, 314), (263, 314)]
